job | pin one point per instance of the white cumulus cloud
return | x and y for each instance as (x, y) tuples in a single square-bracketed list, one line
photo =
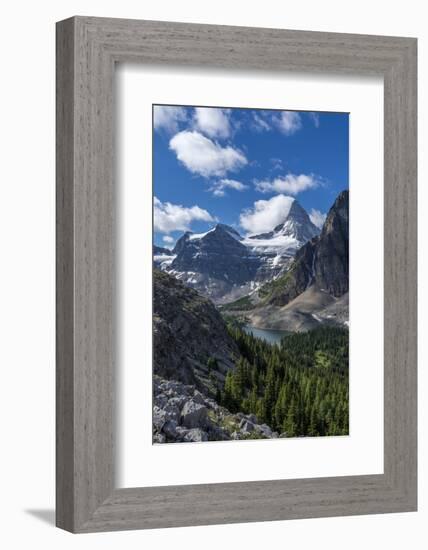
[(317, 217), (174, 217), (291, 184), (168, 239), (266, 214), (167, 117), (212, 121), (219, 187), (204, 157), (288, 122)]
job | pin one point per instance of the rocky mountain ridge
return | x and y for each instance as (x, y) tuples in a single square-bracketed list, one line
[(189, 335)]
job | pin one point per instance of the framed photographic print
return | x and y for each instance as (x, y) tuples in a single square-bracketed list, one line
[(236, 274), (265, 354)]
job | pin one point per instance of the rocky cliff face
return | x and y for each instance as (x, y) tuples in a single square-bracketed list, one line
[(331, 269), (322, 262), (191, 342)]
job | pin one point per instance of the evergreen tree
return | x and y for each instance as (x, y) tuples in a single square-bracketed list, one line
[(300, 387)]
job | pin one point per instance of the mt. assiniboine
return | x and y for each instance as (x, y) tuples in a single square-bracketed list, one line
[(223, 265)]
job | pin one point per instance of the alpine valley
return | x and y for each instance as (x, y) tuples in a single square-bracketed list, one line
[(294, 277), (214, 378)]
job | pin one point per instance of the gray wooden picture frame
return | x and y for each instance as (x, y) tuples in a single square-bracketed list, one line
[(87, 50)]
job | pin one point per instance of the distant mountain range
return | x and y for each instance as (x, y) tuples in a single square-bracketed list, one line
[(293, 277), (314, 288), (224, 266)]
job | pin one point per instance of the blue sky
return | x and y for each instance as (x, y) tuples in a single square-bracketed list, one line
[(238, 166)]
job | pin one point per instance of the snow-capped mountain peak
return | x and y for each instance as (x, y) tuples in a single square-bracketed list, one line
[(286, 238), (296, 224), (220, 260)]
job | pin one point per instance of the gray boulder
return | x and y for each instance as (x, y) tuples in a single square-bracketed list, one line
[(218, 433), (246, 426), (159, 418), (178, 401), (193, 415), (210, 403), (159, 438), (160, 400), (170, 429), (195, 435), (265, 430), (172, 411), (198, 398)]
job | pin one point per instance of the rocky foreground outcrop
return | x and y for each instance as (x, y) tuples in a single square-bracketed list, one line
[(183, 414)]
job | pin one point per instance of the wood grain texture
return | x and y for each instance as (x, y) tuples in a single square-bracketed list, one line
[(87, 50), (64, 276)]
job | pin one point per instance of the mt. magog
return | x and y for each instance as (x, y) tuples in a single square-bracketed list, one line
[(224, 266), (314, 289)]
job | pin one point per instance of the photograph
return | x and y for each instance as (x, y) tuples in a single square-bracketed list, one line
[(250, 273)]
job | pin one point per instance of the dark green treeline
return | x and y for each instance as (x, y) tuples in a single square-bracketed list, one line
[(300, 388)]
